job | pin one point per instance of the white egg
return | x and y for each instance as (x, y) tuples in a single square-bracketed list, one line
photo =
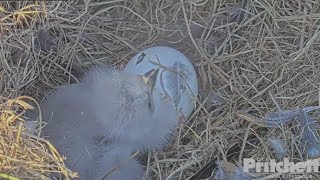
[(176, 78)]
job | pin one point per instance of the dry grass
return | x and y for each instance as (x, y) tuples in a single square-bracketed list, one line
[(258, 55), (24, 154)]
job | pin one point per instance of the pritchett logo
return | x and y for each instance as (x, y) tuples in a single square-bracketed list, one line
[(285, 166)]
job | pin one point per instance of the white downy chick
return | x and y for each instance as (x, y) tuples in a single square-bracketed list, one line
[(70, 127), (115, 163), (113, 104), (138, 116)]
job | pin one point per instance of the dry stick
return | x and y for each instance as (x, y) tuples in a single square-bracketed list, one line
[(274, 101), (31, 108), (21, 11), (304, 22), (298, 17), (184, 166), (148, 165), (104, 2), (2, 175), (158, 166), (244, 142)]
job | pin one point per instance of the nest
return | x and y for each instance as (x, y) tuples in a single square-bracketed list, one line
[(252, 58)]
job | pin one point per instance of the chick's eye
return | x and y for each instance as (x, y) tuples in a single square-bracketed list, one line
[(150, 104)]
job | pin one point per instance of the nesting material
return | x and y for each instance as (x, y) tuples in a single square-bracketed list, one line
[(306, 125), (22, 153), (260, 56)]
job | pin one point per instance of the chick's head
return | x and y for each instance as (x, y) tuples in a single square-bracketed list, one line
[(133, 96), (134, 105)]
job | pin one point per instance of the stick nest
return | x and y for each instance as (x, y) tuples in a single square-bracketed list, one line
[(252, 58)]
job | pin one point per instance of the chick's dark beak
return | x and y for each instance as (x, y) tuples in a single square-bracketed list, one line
[(150, 78)]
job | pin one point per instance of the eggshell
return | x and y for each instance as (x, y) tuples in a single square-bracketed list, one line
[(177, 74)]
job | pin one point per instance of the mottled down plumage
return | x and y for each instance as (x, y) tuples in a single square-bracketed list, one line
[(112, 106)]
